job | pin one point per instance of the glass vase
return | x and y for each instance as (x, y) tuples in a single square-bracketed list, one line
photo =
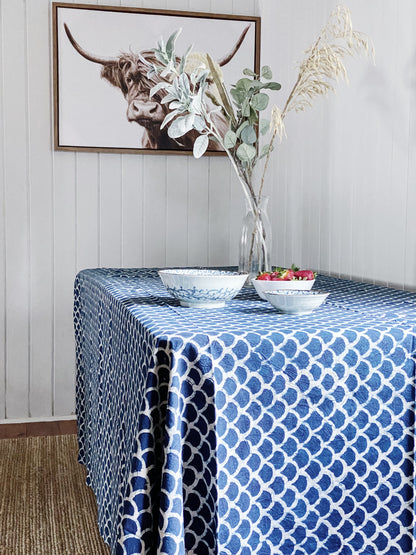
[(256, 240)]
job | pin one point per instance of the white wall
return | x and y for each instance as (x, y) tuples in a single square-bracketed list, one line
[(342, 185), (344, 179)]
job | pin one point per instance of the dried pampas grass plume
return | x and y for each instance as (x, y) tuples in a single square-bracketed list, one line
[(323, 64), (321, 68)]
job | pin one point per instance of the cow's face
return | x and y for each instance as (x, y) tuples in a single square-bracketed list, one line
[(129, 74)]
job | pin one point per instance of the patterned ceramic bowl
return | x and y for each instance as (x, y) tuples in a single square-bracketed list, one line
[(296, 302), (297, 284), (202, 288)]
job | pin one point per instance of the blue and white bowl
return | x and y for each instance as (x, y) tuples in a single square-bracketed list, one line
[(295, 302), (200, 288), (298, 284)]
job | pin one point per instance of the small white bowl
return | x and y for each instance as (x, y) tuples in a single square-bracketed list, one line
[(296, 302), (200, 288), (294, 284)]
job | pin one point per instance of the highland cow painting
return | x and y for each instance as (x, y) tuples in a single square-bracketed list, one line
[(101, 84)]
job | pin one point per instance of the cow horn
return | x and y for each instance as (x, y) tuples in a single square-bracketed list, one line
[(237, 45), (90, 57)]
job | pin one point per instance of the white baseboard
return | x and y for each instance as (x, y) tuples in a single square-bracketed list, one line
[(37, 419)]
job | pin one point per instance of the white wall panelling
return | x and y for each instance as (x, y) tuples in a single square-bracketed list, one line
[(354, 152), (342, 185), (17, 215)]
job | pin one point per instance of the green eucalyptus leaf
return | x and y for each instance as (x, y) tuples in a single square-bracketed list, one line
[(264, 126), (259, 101), (200, 146), (230, 138), (245, 108), (239, 129), (253, 117), (238, 95), (243, 84), (272, 85), (255, 85), (246, 153), (248, 135), (249, 72), (266, 72)]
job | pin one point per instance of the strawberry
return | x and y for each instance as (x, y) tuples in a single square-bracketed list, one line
[(304, 274), (288, 275), (265, 276)]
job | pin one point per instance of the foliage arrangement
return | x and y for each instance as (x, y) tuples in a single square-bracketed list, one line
[(197, 98)]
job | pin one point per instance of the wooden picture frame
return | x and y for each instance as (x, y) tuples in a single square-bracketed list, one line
[(90, 113)]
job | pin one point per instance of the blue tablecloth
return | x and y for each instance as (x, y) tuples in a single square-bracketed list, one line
[(244, 431)]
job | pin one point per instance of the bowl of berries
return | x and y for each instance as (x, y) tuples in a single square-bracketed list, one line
[(283, 279)]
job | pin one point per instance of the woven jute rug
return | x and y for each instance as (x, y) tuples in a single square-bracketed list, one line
[(45, 506)]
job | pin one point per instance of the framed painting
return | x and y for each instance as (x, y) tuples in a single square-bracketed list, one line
[(101, 84)]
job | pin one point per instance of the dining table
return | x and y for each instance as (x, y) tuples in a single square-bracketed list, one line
[(242, 430)]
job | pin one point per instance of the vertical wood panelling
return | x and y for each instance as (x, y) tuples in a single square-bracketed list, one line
[(87, 210), (2, 232), (177, 211), (365, 158), (342, 185), (65, 218), (154, 218), (198, 210), (400, 135), (132, 211), (16, 208), (219, 211), (110, 210), (217, 6), (41, 211), (409, 262)]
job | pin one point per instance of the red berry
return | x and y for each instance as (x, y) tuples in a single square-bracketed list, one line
[(288, 275), (304, 274), (264, 277)]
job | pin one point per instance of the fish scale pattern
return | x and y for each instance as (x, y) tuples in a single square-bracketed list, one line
[(241, 430)]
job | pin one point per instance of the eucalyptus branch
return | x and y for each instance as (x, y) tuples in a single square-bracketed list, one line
[(192, 85)]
